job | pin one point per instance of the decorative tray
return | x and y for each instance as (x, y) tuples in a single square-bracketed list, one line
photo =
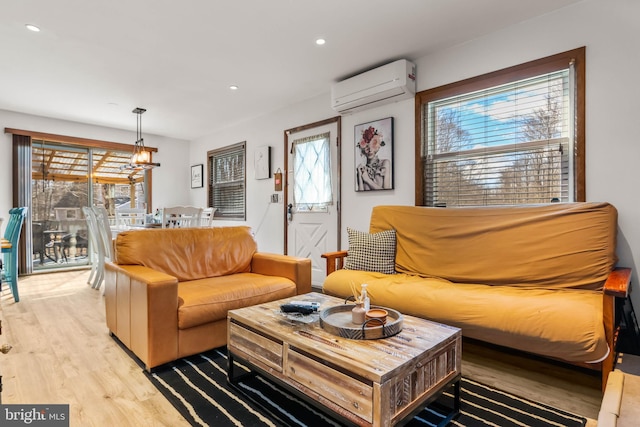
[(337, 320)]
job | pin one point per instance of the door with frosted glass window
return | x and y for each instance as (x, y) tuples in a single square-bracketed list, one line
[(313, 194)]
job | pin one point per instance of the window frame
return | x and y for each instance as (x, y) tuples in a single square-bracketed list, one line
[(501, 77), (211, 185)]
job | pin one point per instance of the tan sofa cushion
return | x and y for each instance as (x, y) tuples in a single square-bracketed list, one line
[(207, 300), (561, 245), (188, 253), (565, 324)]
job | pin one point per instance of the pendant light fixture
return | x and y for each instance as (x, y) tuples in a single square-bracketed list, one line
[(141, 158)]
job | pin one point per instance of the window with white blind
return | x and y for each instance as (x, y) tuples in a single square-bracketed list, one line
[(511, 137), (226, 169)]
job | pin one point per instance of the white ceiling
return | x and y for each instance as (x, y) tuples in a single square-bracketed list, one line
[(94, 61)]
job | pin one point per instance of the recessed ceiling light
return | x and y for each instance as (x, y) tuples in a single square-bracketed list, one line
[(320, 42), (32, 27), (233, 87)]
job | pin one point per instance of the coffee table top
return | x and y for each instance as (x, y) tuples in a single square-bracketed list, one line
[(375, 360)]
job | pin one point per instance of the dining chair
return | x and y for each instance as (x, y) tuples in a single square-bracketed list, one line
[(101, 242), (104, 228), (206, 219), (181, 217), (37, 241), (130, 217), (95, 244), (9, 246)]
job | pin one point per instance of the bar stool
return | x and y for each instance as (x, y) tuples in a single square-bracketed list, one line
[(9, 246)]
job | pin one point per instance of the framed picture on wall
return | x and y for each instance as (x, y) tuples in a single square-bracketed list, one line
[(262, 162), (196, 176), (374, 155)]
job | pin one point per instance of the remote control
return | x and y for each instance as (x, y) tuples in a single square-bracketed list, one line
[(314, 305), (306, 308)]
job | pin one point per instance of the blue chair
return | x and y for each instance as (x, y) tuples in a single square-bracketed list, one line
[(9, 246)]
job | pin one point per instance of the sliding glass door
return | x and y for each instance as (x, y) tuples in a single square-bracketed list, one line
[(66, 178)]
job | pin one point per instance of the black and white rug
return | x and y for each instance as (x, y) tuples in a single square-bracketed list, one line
[(197, 386)]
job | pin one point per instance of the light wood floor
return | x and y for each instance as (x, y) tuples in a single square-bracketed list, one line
[(62, 353)]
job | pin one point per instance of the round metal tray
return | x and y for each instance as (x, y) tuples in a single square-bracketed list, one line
[(337, 320)]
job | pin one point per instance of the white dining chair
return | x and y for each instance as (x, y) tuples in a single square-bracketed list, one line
[(127, 218), (101, 241), (206, 220), (104, 227), (181, 217), (96, 247)]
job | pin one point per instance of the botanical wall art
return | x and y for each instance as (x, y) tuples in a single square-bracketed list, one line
[(374, 155)]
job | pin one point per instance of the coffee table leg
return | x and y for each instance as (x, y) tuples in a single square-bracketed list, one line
[(232, 377), (456, 405), (230, 367), (456, 396)]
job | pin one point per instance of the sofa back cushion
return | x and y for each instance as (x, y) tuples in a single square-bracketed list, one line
[(188, 253), (560, 245)]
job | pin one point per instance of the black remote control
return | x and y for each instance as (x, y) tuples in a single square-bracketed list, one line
[(297, 308)]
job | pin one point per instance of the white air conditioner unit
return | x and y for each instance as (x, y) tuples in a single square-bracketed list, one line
[(389, 83)]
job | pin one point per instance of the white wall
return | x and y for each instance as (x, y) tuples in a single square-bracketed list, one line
[(169, 181), (608, 28), (265, 219)]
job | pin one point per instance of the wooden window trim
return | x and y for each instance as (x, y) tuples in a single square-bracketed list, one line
[(76, 141), (506, 75)]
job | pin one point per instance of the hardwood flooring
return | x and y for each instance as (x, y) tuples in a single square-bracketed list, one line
[(62, 353)]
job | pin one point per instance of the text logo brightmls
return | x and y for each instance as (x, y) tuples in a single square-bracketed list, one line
[(35, 415)]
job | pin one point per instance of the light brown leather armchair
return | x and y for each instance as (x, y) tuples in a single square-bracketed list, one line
[(168, 291)]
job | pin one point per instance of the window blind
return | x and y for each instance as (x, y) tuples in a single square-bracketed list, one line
[(227, 182), (507, 144)]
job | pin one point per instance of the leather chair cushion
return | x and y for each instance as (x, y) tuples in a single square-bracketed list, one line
[(207, 300)]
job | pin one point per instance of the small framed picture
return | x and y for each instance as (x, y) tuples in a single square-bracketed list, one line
[(374, 155), (262, 162), (196, 176)]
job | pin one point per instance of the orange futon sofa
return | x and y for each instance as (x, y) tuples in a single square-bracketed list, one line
[(541, 279), (168, 291)]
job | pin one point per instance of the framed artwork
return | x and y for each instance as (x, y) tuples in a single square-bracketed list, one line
[(374, 155), (196, 176), (262, 162)]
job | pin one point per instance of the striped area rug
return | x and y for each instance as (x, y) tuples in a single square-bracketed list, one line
[(197, 387)]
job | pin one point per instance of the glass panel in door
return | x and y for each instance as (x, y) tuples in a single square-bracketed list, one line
[(60, 188)]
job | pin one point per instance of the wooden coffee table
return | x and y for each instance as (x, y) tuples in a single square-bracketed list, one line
[(364, 382)]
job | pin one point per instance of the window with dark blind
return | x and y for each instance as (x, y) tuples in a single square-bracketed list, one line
[(226, 169), (511, 137)]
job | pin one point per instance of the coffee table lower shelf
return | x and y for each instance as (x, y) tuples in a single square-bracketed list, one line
[(233, 379)]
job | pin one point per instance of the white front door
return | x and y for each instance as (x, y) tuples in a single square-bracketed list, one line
[(313, 194)]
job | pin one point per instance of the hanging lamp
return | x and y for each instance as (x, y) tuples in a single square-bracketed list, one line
[(141, 158)]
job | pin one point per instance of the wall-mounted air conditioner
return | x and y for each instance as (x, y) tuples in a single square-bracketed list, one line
[(389, 83)]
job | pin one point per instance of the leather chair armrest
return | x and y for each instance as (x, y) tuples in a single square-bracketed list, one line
[(142, 310), (297, 269), (335, 260)]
